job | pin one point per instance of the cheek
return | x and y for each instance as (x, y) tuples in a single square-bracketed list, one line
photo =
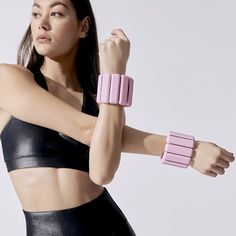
[(68, 34), (33, 30)]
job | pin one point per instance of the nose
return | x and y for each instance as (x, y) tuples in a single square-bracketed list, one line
[(43, 24), (42, 27)]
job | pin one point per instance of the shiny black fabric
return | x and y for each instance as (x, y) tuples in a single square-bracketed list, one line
[(27, 145), (99, 217)]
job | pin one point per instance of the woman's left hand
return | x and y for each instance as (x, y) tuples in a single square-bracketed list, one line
[(114, 53)]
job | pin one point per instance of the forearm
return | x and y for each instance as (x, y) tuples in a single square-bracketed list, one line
[(106, 141), (141, 142)]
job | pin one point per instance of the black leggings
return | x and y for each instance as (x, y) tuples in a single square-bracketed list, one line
[(99, 217)]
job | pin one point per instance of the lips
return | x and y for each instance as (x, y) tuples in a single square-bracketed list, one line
[(43, 37)]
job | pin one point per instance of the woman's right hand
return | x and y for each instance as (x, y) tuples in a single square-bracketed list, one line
[(210, 159)]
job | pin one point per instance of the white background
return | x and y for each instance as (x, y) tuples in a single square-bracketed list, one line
[(183, 62)]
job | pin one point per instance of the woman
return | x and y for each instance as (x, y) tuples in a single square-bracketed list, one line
[(60, 148)]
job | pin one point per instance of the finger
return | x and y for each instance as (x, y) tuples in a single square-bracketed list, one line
[(222, 149), (218, 170), (101, 45), (227, 152), (120, 33), (210, 173), (106, 42), (222, 163), (226, 157), (114, 38)]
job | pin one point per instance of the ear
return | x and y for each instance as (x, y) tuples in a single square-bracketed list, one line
[(84, 27)]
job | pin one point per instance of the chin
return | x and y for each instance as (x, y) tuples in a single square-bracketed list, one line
[(51, 52), (46, 52)]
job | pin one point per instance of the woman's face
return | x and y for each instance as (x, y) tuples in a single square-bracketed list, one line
[(55, 28)]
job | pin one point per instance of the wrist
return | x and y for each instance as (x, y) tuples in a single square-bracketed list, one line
[(110, 108), (111, 115), (196, 144), (116, 70)]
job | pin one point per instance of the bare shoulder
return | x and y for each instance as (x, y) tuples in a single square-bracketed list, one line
[(13, 78), (15, 70)]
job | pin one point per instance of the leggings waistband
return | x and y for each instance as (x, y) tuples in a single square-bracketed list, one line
[(99, 217)]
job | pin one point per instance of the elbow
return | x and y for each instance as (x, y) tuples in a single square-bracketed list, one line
[(103, 162), (101, 179), (103, 174)]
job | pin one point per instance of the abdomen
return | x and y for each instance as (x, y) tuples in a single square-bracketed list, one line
[(46, 188)]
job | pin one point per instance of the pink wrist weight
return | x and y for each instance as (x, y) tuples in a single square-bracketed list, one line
[(178, 150), (115, 89)]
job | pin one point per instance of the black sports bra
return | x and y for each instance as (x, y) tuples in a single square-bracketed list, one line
[(28, 145)]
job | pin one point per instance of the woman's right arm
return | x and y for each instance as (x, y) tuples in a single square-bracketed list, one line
[(23, 98)]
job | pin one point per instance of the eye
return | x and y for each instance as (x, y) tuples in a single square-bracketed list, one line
[(35, 15), (56, 14)]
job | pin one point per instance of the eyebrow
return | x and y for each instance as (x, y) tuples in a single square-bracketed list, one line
[(52, 5)]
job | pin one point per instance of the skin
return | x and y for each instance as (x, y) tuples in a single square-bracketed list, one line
[(107, 135)]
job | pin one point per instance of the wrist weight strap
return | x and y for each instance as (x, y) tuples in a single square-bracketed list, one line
[(115, 89), (178, 150)]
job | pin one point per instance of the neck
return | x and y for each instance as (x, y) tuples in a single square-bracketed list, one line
[(62, 70)]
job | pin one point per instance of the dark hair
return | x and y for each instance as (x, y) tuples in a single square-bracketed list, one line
[(87, 59)]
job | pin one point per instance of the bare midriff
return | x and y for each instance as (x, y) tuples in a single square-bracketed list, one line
[(48, 189)]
